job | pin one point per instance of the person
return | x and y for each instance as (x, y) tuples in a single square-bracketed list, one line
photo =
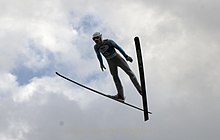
[(108, 48)]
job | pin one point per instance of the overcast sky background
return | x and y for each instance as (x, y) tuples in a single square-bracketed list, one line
[(180, 44)]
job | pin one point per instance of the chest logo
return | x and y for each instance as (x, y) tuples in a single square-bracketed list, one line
[(103, 49)]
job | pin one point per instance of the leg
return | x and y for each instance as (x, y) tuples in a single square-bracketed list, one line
[(114, 72), (126, 68)]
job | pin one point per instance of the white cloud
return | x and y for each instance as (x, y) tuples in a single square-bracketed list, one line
[(180, 46)]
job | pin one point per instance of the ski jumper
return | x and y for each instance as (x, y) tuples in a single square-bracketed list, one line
[(107, 49)]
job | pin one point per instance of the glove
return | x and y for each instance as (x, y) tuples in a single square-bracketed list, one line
[(102, 67), (128, 58)]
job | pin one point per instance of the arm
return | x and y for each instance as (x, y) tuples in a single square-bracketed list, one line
[(99, 58), (128, 58), (118, 48)]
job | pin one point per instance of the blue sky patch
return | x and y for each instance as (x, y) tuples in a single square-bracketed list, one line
[(25, 73)]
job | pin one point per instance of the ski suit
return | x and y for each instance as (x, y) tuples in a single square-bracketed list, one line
[(107, 49)]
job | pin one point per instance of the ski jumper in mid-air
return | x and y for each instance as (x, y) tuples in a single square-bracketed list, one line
[(107, 49)]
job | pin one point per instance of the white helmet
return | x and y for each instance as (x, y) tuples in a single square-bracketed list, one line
[(96, 34)]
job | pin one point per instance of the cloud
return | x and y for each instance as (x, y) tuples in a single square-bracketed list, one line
[(196, 15), (180, 48)]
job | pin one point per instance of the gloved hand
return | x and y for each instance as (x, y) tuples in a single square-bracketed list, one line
[(102, 67), (128, 58)]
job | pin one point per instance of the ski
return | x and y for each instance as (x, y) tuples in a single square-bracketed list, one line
[(98, 92), (142, 78)]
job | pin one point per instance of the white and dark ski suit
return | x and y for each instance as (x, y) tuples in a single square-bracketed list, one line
[(107, 49)]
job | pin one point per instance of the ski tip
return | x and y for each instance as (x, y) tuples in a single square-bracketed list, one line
[(57, 73), (136, 38)]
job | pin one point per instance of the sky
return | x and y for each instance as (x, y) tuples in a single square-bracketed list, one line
[(180, 46)]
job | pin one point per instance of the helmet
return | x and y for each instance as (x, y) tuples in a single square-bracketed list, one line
[(96, 34)]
